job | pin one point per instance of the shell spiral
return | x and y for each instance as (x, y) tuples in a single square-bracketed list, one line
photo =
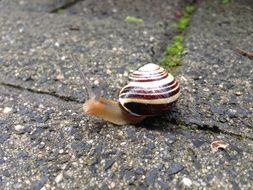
[(151, 91)]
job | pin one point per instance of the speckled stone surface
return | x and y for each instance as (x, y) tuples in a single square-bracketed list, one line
[(148, 11), (38, 47), (33, 5), (217, 80), (46, 142)]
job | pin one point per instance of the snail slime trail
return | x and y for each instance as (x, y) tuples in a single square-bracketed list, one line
[(150, 91)]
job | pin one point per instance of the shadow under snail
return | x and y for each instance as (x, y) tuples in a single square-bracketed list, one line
[(151, 91)]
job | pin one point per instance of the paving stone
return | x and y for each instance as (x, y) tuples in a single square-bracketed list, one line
[(68, 150), (151, 11), (33, 5), (213, 70), (38, 47), (166, 166)]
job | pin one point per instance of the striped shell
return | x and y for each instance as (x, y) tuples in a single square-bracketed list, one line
[(151, 91)]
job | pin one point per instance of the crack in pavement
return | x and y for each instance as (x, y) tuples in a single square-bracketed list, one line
[(213, 129), (64, 98), (217, 130), (65, 6), (207, 128)]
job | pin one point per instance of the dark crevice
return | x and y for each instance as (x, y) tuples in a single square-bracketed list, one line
[(150, 122), (64, 98), (217, 130), (65, 6)]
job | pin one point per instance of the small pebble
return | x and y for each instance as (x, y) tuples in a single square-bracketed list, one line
[(17, 186), (21, 30), (112, 185), (7, 110), (109, 72), (41, 145), (175, 168), (140, 171), (60, 77), (108, 164), (198, 142), (57, 44), (96, 82), (187, 182), (151, 176), (58, 178), (238, 93), (251, 174), (19, 128), (38, 184), (4, 137), (6, 173), (170, 139), (40, 156), (150, 146)]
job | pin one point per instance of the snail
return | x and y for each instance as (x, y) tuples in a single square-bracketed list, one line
[(151, 91)]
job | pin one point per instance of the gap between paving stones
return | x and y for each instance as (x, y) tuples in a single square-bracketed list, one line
[(217, 130), (65, 98), (65, 6)]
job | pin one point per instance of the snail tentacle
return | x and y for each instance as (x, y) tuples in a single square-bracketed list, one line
[(90, 92)]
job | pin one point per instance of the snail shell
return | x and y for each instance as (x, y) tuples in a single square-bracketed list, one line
[(151, 91)]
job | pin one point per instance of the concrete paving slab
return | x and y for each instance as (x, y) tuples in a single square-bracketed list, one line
[(33, 5), (36, 48), (46, 143), (216, 79), (151, 11)]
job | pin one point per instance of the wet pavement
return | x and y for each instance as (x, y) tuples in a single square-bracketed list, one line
[(46, 142)]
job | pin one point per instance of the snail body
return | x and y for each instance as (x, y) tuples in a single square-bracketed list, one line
[(150, 91)]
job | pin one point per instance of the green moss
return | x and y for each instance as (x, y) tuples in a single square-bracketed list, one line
[(182, 24), (173, 53), (189, 10), (132, 19), (184, 20), (225, 2)]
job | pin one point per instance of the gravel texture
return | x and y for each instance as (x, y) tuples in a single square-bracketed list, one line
[(216, 78), (47, 143), (33, 5), (149, 11), (71, 151), (37, 42)]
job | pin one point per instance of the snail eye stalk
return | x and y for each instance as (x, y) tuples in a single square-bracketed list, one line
[(86, 83)]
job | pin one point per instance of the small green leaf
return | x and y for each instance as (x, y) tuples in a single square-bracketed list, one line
[(132, 19)]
